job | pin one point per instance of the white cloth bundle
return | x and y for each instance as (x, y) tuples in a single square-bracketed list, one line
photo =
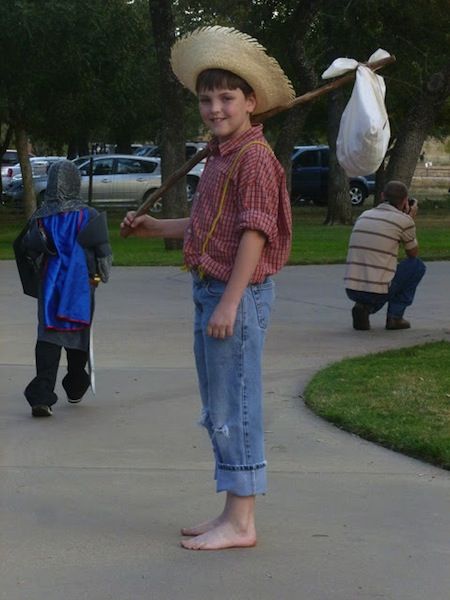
[(364, 131)]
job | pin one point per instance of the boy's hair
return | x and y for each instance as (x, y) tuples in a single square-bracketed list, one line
[(395, 192), (213, 79)]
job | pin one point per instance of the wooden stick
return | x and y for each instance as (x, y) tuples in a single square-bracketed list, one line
[(320, 91), (184, 169)]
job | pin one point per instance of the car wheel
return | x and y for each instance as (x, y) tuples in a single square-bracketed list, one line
[(357, 194), (191, 187), (157, 206)]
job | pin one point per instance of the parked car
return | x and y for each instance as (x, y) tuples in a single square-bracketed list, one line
[(128, 179), (13, 193), (9, 158), (146, 150), (310, 177), (151, 150), (117, 179), (39, 166)]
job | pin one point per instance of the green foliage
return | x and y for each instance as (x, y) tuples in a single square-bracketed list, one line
[(80, 69), (86, 70), (400, 399), (354, 28)]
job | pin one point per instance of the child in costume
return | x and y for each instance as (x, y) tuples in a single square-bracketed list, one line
[(238, 235), (62, 254)]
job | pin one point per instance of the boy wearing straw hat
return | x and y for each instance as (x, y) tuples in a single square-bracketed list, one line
[(238, 235)]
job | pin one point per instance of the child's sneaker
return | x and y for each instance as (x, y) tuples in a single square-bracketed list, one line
[(41, 410)]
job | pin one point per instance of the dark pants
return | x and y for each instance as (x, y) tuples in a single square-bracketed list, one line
[(401, 290), (41, 389)]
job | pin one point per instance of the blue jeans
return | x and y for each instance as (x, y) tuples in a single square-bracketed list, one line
[(230, 380), (401, 290)]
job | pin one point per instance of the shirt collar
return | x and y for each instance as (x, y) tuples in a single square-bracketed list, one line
[(234, 144), (387, 206)]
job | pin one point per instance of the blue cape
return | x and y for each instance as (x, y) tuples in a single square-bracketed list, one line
[(65, 286)]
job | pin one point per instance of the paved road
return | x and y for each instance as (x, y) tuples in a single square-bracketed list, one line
[(92, 499)]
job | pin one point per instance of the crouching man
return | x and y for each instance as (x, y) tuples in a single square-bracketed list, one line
[(373, 277)]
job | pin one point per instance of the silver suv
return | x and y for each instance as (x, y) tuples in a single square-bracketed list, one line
[(127, 179)]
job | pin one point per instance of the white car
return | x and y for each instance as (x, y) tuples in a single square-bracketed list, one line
[(127, 179), (39, 166)]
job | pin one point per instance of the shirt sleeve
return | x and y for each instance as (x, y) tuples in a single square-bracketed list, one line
[(258, 192), (409, 235)]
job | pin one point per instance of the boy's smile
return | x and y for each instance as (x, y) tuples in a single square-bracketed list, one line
[(226, 112)]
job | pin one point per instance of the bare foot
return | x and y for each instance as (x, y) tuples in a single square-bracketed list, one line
[(202, 527), (225, 535)]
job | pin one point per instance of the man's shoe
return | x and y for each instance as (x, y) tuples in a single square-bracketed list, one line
[(360, 314), (397, 323), (74, 400), (41, 410)]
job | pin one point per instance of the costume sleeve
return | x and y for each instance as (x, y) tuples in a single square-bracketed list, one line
[(94, 238), (259, 184)]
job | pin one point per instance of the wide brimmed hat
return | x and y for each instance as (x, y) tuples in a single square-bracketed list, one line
[(226, 48)]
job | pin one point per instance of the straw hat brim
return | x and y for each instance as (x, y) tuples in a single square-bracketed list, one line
[(226, 48)]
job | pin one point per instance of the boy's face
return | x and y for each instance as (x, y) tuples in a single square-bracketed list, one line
[(226, 112)]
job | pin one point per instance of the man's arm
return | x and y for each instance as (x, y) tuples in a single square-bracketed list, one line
[(147, 226), (413, 252), (250, 248)]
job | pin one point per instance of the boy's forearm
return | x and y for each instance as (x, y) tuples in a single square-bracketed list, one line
[(171, 228), (247, 258)]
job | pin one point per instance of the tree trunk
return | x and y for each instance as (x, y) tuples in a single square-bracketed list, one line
[(416, 127), (380, 180), (123, 144), (77, 147), (173, 133), (29, 197), (339, 205), (295, 118), (289, 132)]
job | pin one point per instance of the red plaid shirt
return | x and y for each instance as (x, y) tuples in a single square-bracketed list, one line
[(256, 199)]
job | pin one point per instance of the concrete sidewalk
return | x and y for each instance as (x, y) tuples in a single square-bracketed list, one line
[(91, 500)]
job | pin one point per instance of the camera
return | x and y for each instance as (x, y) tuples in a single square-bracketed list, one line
[(412, 201)]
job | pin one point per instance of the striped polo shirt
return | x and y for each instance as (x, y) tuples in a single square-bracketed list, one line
[(373, 248)]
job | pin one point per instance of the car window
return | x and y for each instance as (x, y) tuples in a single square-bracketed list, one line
[(309, 158), (10, 158), (146, 151), (103, 166), (80, 160), (127, 166)]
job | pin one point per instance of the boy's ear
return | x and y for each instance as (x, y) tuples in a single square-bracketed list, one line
[(251, 102)]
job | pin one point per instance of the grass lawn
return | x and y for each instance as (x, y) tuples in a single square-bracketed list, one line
[(399, 399), (313, 243)]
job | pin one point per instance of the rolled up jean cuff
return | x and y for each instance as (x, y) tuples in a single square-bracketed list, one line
[(240, 482)]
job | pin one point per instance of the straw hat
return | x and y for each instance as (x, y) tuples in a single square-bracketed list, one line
[(229, 49)]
